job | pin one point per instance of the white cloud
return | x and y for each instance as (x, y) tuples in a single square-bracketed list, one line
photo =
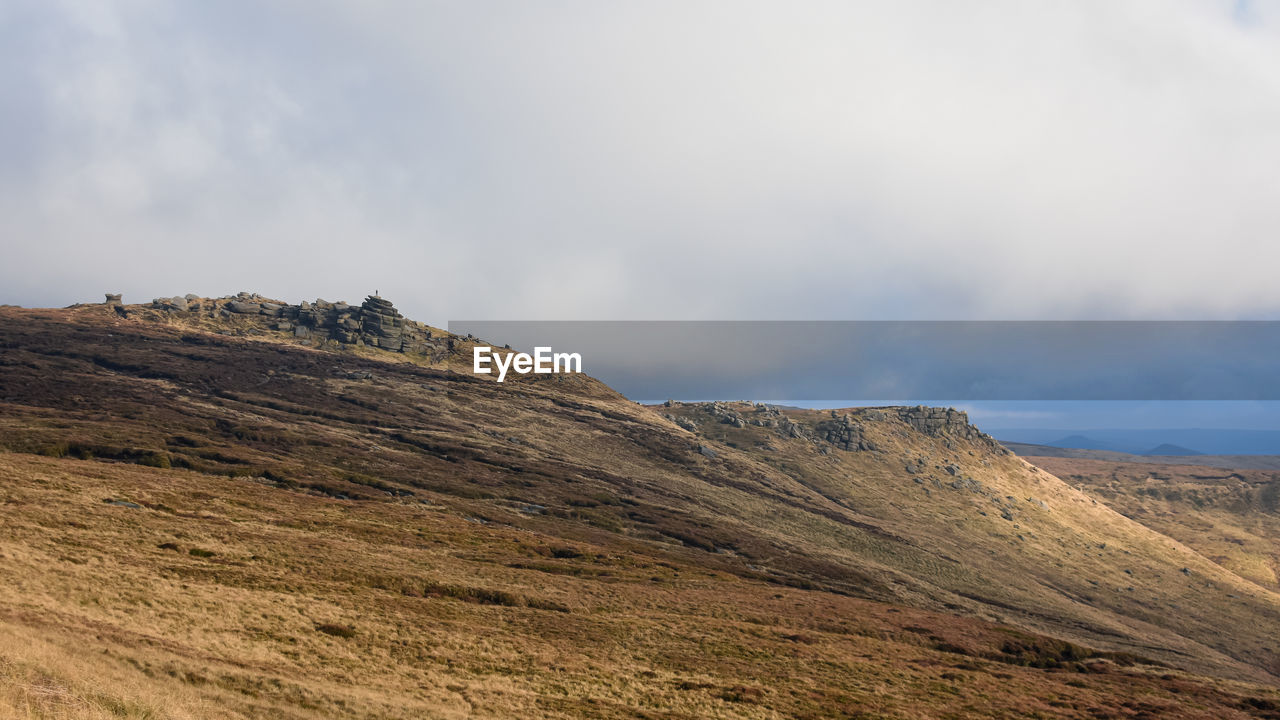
[(709, 160)]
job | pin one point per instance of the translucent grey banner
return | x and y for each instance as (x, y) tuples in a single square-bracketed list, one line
[(895, 360)]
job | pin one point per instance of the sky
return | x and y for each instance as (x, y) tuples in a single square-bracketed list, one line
[(1098, 159)]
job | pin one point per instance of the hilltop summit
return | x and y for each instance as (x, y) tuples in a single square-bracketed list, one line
[(375, 323)]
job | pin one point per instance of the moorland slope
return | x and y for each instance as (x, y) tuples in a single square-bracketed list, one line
[(207, 511)]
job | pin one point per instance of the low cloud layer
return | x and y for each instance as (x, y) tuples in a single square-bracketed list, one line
[(575, 160)]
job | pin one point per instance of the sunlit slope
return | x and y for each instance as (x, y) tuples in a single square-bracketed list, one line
[(140, 592), (1230, 516), (937, 518), (969, 526)]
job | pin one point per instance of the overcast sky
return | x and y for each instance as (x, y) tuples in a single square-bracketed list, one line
[(610, 160)]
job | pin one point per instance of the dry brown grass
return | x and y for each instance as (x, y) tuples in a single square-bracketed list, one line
[(542, 549), (99, 620), (1230, 516)]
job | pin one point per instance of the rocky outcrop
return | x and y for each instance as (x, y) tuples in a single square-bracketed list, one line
[(946, 423), (845, 433), (936, 421), (382, 324), (374, 323), (725, 414)]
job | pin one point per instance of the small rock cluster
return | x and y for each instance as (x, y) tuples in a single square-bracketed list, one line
[(726, 415)]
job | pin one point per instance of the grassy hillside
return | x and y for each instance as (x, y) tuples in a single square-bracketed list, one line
[(1230, 516), (213, 518)]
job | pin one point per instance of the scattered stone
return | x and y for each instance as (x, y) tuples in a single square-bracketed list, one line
[(122, 503), (703, 449)]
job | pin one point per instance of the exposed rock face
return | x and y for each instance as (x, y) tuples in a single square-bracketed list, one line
[(945, 423), (844, 433), (382, 324), (936, 421), (112, 299), (788, 428), (374, 323)]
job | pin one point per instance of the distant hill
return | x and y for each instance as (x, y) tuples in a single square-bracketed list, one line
[(1168, 449), (1082, 442), (1211, 441), (1240, 462)]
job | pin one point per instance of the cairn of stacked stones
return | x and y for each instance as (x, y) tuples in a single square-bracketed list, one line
[(373, 323)]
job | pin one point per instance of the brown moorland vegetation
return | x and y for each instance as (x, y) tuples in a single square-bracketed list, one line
[(1230, 516), (209, 519)]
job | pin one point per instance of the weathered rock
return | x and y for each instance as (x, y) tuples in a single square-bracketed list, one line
[(113, 299), (948, 424), (375, 323), (844, 433), (788, 428)]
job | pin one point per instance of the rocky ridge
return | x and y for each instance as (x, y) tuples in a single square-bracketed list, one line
[(846, 429), (375, 323)]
